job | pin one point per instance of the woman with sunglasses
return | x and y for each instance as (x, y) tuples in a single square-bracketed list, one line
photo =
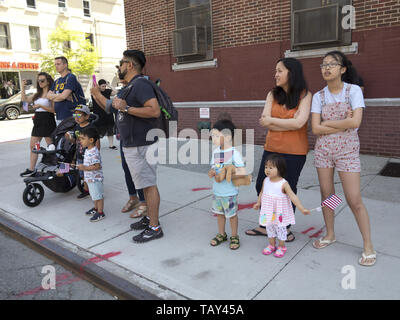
[(336, 116), (43, 121)]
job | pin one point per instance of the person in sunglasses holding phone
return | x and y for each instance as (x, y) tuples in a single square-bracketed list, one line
[(81, 115), (43, 120)]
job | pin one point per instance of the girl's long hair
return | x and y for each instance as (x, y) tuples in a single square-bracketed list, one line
[(296, 84), (351, 75), (39, 92)]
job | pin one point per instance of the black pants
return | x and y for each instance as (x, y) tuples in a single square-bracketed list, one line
[(294, 165)]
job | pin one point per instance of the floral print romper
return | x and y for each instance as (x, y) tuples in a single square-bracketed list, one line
[(342, 149)]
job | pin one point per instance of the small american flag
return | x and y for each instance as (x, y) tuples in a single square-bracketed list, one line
[(64, 168), (332, 202), (222, 157)]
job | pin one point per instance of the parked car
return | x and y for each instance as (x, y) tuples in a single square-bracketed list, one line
[(12, 108)]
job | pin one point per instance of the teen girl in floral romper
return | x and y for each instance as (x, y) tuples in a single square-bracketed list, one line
[(336, 115)]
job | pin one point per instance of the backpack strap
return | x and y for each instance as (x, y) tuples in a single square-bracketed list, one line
[(126, 91)]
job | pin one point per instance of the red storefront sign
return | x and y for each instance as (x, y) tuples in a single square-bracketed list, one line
[(19, 65)]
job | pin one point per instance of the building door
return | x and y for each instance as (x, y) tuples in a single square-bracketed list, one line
[(9, 84)]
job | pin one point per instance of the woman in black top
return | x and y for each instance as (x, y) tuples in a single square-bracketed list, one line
[(105, 124)]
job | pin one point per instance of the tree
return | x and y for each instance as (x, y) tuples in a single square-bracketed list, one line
[(81, 54)]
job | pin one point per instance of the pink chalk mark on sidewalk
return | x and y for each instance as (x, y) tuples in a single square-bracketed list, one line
[(314, 235), (200, 189), (317, 234), (45, 238), (68, 278), (308, 230), (246, 206)]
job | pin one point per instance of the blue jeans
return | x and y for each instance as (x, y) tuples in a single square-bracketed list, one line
[(128, 178)]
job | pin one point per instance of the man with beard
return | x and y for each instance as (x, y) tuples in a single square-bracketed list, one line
[(138, 110)]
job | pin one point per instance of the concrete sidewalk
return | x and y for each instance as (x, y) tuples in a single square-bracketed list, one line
[(182, 265)]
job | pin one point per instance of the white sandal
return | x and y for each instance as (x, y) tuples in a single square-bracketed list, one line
[(371, 256), (323, 243)]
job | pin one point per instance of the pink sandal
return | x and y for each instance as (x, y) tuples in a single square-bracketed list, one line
[(268, 250), (280, 252)]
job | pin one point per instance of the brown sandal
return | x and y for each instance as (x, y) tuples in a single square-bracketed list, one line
[(130, 205), (140, 212)]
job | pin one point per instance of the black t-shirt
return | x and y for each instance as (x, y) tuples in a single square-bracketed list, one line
[(133, 129), (105, 119), (80, 151)]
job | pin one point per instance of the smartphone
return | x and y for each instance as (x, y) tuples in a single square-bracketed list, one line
[(94, 80), (28, 82)]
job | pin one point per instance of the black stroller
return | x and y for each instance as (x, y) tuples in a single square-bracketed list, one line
[(46, 171)]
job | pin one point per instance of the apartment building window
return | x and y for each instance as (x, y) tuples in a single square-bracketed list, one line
[(5, 42), (62, 3), (66, 46), (31, 4), (193, 31), (318, 24), (34, 35), (86, 8), (89, 36)]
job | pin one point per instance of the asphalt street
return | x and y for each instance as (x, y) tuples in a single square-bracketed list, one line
[(23, 270)]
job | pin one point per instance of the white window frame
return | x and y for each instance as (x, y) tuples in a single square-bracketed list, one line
[(58, 3), (8, 36), (34, 6), (39, 40), (90, 9)]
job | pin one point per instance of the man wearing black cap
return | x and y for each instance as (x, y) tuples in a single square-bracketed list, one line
[(138, 110)]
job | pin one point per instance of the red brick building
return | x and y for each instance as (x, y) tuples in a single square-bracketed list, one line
[(221, 54)]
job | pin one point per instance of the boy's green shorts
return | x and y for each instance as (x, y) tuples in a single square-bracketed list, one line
[(225, 205)]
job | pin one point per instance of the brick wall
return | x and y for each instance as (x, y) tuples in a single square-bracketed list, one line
[(238, 22), (379, 132), (248, 38)]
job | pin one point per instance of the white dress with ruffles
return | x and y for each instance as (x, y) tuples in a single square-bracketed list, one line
[(276, 207)]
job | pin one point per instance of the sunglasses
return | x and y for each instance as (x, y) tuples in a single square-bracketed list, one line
[(121, 62), (41, 80), (77, 115)]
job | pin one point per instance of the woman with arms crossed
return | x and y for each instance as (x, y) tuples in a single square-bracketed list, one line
[(285, 114), (336, 116)]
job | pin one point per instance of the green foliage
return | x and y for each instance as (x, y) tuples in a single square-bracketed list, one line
[(82, 56)]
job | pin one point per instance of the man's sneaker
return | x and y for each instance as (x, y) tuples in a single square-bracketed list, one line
[(91, 212), (97, 217), (148, 234), (84, 194), (27, 172), (141, 224)]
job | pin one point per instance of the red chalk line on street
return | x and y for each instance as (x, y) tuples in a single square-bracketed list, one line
[(200, 189), (68, 278), (45, 238)]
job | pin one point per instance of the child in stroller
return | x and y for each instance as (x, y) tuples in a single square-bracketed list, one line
[(61, 152)]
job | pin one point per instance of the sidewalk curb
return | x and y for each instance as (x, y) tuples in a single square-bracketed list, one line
[(118, 286)]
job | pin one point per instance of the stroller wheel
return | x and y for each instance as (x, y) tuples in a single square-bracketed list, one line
[(33, 194)]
